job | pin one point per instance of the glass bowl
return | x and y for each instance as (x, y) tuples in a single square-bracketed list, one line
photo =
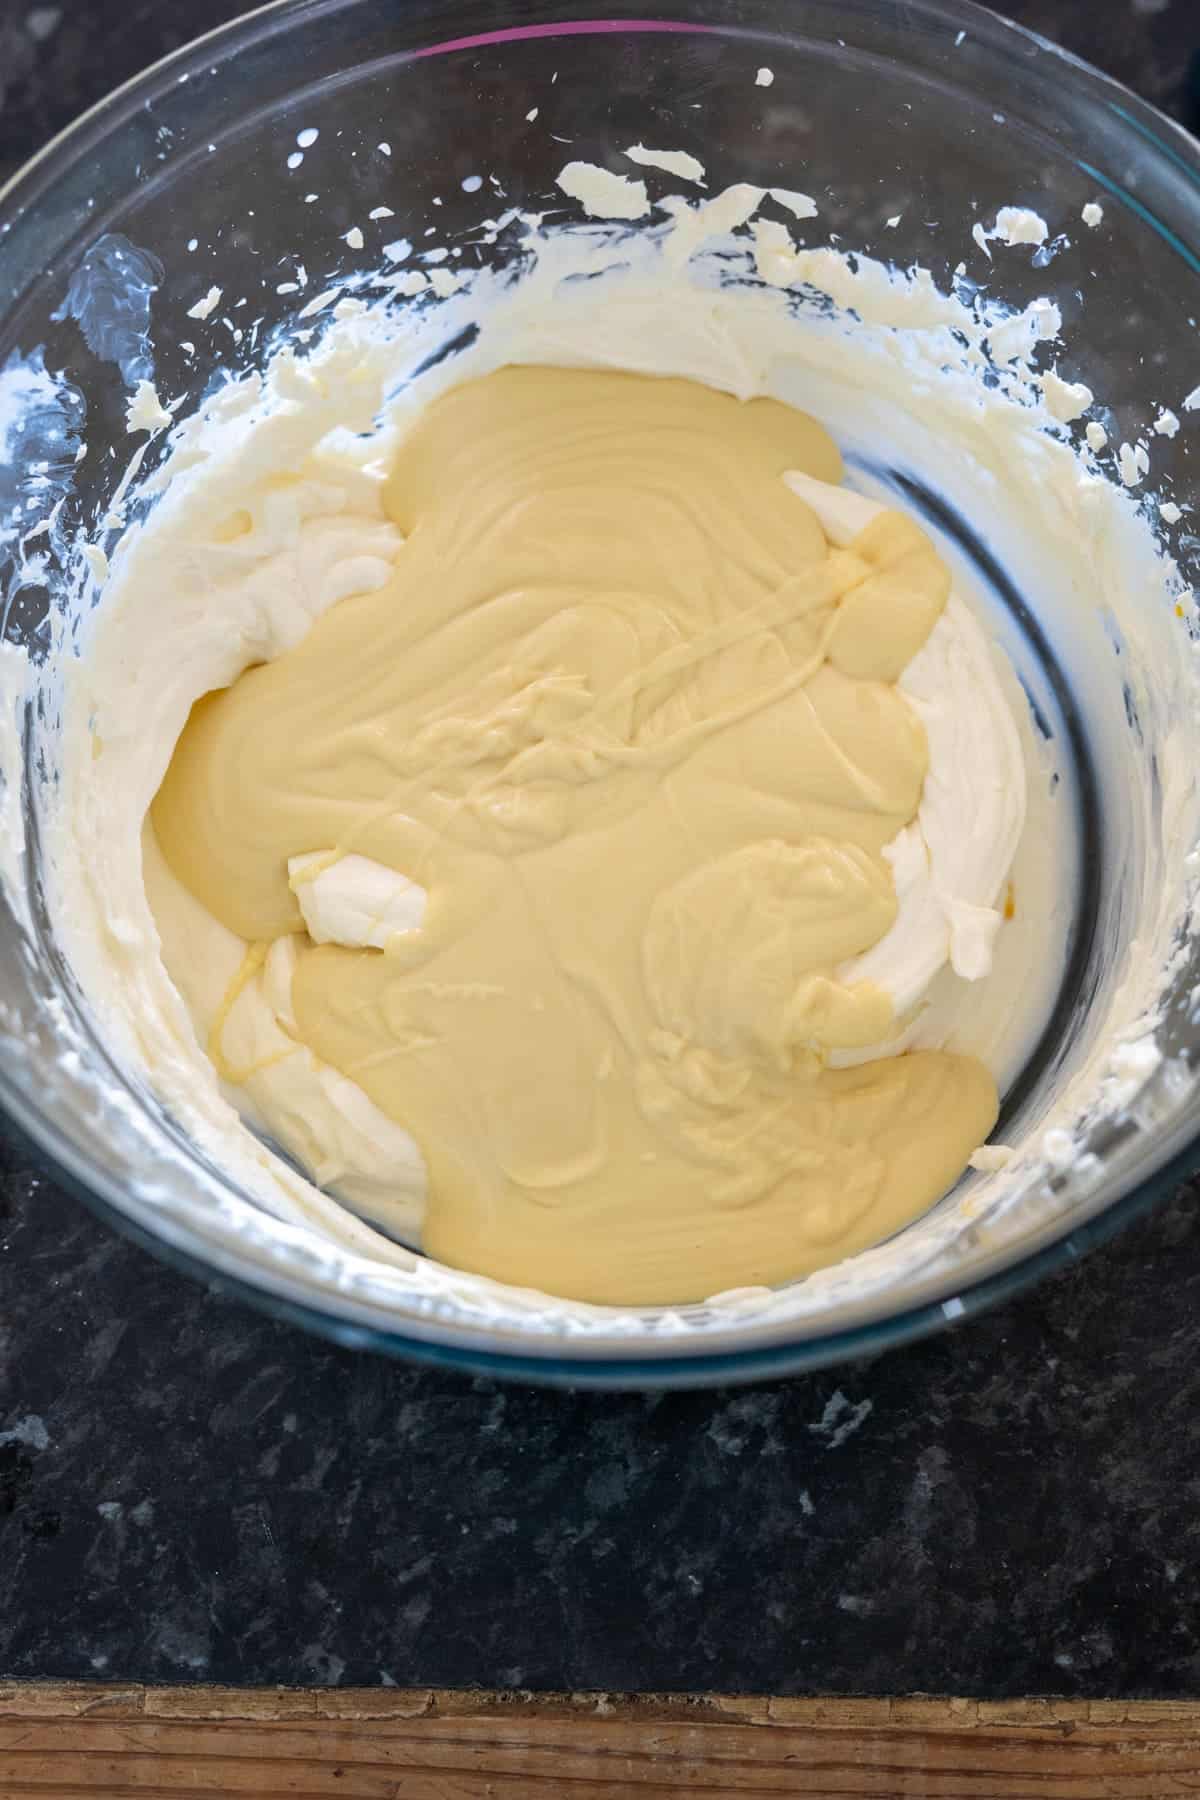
[(904, 116)]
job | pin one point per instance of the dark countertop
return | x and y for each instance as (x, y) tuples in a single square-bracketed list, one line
[(191, 1492)]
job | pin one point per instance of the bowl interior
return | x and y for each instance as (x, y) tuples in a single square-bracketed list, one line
[(242, 163)]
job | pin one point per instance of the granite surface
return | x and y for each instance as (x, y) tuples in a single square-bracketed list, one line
[(191, 1492)]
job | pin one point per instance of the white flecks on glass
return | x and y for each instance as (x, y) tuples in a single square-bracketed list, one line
[(308, 137), (295, 159), (764, 78), (207, 305), (532, 114), (384, 149), (145, 411), (381, 212), (354, 237), (471, 184), (671, 162), (1169, 512), (1133, 463), (193, 244), (1097, 437), (801, 206), (1092, 214), (1019, 225), (602, 194), (1065, 400), (319, 302), (1167, 423)]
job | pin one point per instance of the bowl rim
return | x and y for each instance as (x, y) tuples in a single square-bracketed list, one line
[(779, 1350), (545, 1363)]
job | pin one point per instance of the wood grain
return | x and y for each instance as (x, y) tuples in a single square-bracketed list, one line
[(132, 1743)]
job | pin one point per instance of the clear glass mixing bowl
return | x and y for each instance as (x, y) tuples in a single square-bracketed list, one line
[(925, 109)]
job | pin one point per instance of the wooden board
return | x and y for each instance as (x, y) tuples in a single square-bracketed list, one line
[(132, 1743)]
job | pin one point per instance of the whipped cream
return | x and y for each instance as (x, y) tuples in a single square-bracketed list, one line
[(340, 1137), (354, 900), (951, 863)]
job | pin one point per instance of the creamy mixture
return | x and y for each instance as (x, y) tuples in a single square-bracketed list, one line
[(572, 844), (629, 872)]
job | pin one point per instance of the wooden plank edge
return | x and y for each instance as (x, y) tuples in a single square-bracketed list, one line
[(78, 1741), (917, 1713)]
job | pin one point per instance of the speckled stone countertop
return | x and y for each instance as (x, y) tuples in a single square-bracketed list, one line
[(191, 1492)]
